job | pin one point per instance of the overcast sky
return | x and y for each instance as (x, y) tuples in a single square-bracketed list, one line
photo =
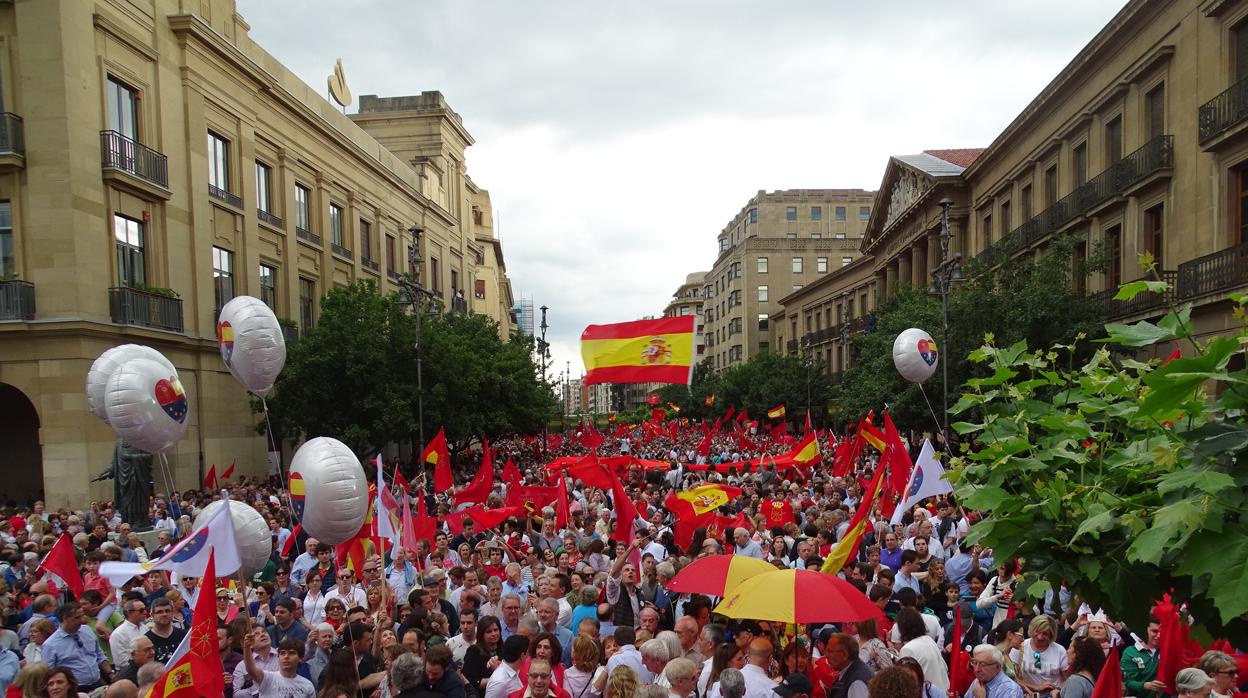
[(618, 138)]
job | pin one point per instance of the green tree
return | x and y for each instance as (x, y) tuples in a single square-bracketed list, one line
[(1124, 479), (691, 399), (1029, 297), (768, 380)]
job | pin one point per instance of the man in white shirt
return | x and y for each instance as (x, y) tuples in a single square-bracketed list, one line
[(258, 654), (121, 640), (758, 658), (471, 583), (350, 595), (628, 655), (459, 644), (745, 545), (285, 682), (506, 677)]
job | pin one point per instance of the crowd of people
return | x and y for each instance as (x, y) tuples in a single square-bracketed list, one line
[(534, 610)]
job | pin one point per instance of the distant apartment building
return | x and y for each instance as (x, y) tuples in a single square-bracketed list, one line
[(688, 300)]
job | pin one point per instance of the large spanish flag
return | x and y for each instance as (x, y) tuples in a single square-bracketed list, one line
[(701, 499), (643, 351)]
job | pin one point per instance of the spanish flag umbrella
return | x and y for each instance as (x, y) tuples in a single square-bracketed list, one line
[(717, 575), (798, 596)]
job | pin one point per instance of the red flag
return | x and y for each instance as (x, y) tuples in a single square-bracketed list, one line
[(727, 416), (479, 489), (489, 518), (290, 540), (745, 444), (743, 416), (1176, 354), (210, 480), (704, 448), (436, 453), (898, 459), (652, 399), (591, 472), (959, 664), (807, 430), (657, 415), (511, 474), (407, 536), (563, 512), (536, 496), (228, 471), (1171, 643), (195, 668), (625, 512), (1109, 684), (779, 430), (399, 481), (426, 526), (61, 562)]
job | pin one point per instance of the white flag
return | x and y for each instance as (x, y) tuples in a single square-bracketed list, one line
[(384, 511), (189, 556), (927, 479)]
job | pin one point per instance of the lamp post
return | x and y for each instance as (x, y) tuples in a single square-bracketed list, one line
[(412, 293), (945, 276), (543, 354)]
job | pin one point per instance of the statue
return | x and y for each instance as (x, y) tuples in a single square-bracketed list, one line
[(131, 472)]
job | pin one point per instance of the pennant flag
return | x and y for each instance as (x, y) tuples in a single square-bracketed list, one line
[(189, 556), (490, 518), (591, 472), (437, 454), (775, 412), (228, 471), (926, 480), (898, 459), (290, 540), (479, 489), (710, 400), (387, 509), (1109, 683), (195, 669), (701, 499), (625, 512), (60, 561), (400, 481), (511, 474), (847, 548), (704, 448), (210, 480), (644, 351)]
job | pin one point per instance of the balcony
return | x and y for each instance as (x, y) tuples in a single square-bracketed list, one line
[(1153, 159), (270, 219), (790, 347), (341, 251), (17, 300), (224, 196), (395, 276), (1143, 301), (308, 236), (12, 142), (134, 165), (1220, 271), (1223, 113), (290, 331), (371, 264), (131, 306), (459, 304)]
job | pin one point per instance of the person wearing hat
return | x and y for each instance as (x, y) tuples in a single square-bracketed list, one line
[(794, 686), (1193, 683)]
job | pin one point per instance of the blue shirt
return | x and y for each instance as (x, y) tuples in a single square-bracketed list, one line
[(891, 559), (79, 652), (1001, 686), (750, 549), (8, 668)]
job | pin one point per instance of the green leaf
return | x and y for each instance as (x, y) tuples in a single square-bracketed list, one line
[(1095, 524), (1132, 289), (1036, 589), (1207, 481), (1223, 558), (1149, 545), (1140, 334), (987, 497), (1090, 567), (1176, 381)]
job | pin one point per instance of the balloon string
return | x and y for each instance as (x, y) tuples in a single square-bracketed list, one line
[(271, 444), (939, 429), (164, 466)]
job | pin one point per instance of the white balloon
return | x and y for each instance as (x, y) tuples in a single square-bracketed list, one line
[(251, 533), (146, 404), (328, 490), (106, 363), (915, 355), (251, 343)]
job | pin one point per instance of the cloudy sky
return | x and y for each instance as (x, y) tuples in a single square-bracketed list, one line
[(618, 138)]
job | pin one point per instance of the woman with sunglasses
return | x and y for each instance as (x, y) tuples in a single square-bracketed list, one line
[(336, 614), (1043, 665), (1224, 671)]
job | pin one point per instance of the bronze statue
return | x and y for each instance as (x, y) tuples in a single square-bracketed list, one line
[(131, 472)]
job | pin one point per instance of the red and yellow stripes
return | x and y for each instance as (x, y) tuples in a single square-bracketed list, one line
[(642, 351)]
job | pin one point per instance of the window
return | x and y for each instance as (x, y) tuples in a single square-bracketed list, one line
[(723, 245), (762, 294), (390, 253), (1155, 112), (1080, 268), (797, 287), (1239, 207), (790, 213), (821, 265), (1005, 215), (1113, 251), (762, 265), (790, 236), (268, 286), (840, 213), (839, 236), (864, 213), (762, 322), (987, 228), (1113, 140), (122, 112), (816, 236), (128, 236), (222, 276), (335, 224), (218, 162), (1240, 41), (753, 215), (1079, 161), (797, 265), (366, 239), (302, 210), (1154, 230), (8, 262), (307, 304), (264, 180), (845, 261), (435, 282), (455, 289), (1024, 203), (816, 213), (1050, 189)]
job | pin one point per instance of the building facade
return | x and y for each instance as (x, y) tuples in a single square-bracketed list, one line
[(523, 312), (778, 243), (688, 300), (157, 162)]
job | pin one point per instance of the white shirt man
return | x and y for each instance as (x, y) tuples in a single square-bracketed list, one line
[(121, 640), (352, 596), (505, 680)]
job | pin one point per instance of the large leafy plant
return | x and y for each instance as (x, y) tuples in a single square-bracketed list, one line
[(1121, 478)]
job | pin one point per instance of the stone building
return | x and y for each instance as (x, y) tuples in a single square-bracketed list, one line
[(688, 300), (156, 162)]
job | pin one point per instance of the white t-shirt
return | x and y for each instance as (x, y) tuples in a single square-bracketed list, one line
[(1052, 662), (274, 685)]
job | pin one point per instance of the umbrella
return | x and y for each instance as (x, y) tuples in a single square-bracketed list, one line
[(798, 596), (718, 574)]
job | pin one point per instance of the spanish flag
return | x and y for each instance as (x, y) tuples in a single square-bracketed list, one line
[(871, 435), (806, 451), (643, 351), (847, 548), (710, 400), (437, 454), (701, 499), (775, 412)]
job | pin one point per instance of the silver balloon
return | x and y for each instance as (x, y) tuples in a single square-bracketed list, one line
[(146, 405), (106, 363), (251, 343), (251, 533), (328, 490), (915, 355)]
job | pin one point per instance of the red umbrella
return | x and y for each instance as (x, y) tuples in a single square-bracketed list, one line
[(717, 574), (798, 596)]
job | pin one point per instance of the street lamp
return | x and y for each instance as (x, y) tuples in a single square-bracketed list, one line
[(412, 293), (945, 276), (543, 355)]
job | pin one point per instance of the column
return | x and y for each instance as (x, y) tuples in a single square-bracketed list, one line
[(918, 264), (890, 280), (904, 269)]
